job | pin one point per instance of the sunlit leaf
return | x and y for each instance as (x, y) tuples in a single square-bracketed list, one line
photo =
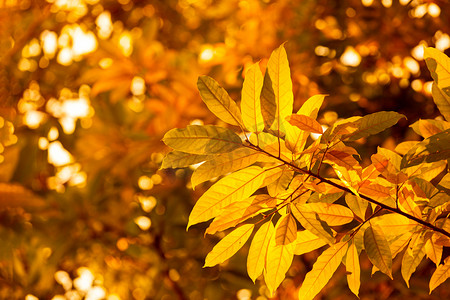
[(311, 221), (353, 269), (373, 124), (250, 101), (225, 163), (276, 97), (433, 250), (332, 214), (281, 183), (258, 249), (229, 245), (207, 139), (377, 248), (218, 101), (278, 260), (307, 241), (442, 100), (441, 274), (285, 230), (179, 159), (323, 269), (434, 148), (413, 256), (305, 123), (236, 186), (357, 205)]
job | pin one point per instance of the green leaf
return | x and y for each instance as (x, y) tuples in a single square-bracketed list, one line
[(441, 274), (250, 100), (377, 248), (179, 159), (434, 148), (225, 163), (277, 98), (236, 186), (229, 245), (413, 256), (258, 249), (323, 269), (373, 124), (353, 269), (218, 101), (202, 139), (311, 221)]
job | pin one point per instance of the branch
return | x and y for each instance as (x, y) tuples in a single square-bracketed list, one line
[(346, 189)]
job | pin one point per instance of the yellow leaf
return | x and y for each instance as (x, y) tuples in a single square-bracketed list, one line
[(341, 158), (277, 98), (413, 256), (295, 138), (442, 100), (281, 183), (178, 159), (306, 242), (323, 269), (250, 101), (357, 205), (433, 250), (240, 211), (373, 190), (394, 224), (286, 230), (218, 101), (441, 274), (377, 248), (353, 269), (225, 163), (373, 124), (236, 186), (272, 145), (229, 245), (332, 214), (310, 221), (278, 260), (305, 123), (404, 147), (206, 139), (258, 249)]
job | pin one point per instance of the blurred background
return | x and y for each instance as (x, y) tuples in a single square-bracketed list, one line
[(89, 87)]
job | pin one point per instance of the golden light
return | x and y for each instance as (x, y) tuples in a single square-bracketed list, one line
[(104, 25), (156, 178), (65, 57), (49, 41), (419, 11), (113, 297), (63, 278), (105, 63), (404, 2), (427, 87), (316, 136), (147, 203), (411, 64), (367, 2), (26, 64), (145, 183), (244, 294), (417, 85), (79, 179), (96, 293), (126, 43), (434, 10), (82, 42), (322, 51), (122, 244), (85, 280), (137, 86), (350, 57), (31, 49), (206, 54), (57, 155), (33, 119), (196, 122), (386, 3), (442, 41), (418, 51), (43, 143), (31, 297), (53, 134), (143, 222)]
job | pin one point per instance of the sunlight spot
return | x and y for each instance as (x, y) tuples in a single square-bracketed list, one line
[(367, 2), (196, 122), (442, 41), (244, 294), (411, 64), (156, 178), (31, 49), (113, 297), (350, 57), (417, 85), (57, 155), (49, 40), (419, 11), (418, 51), (322, 51), (96, 293), (33, 119), (63, 278), (31, 297), (147, 203), (83, 42), (143, 222), (386, 3), (84, 281), (65, 57), (174, 275), (145, 182), (137, 86), (126, 43), (104, 25), (434, 10), (122, 244), (427, 87), (206, 54), (105, 63), (53, 133)]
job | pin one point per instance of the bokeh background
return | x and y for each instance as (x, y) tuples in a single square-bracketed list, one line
[(89, 87)]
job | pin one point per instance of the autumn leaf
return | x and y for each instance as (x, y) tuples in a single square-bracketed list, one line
[(218, 101), (311, 221), (276, 97), (332, 214), (413, 256), (250, 101), (353, 269), (258, 249), (286, 230), (307, 241), (323, 269), (179, 159), (229, 245), (236, 186), (377, 248), (441, 274), (206, 139), (305, 123)]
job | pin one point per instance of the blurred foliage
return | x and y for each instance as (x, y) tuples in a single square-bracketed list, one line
[(89, 87)]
